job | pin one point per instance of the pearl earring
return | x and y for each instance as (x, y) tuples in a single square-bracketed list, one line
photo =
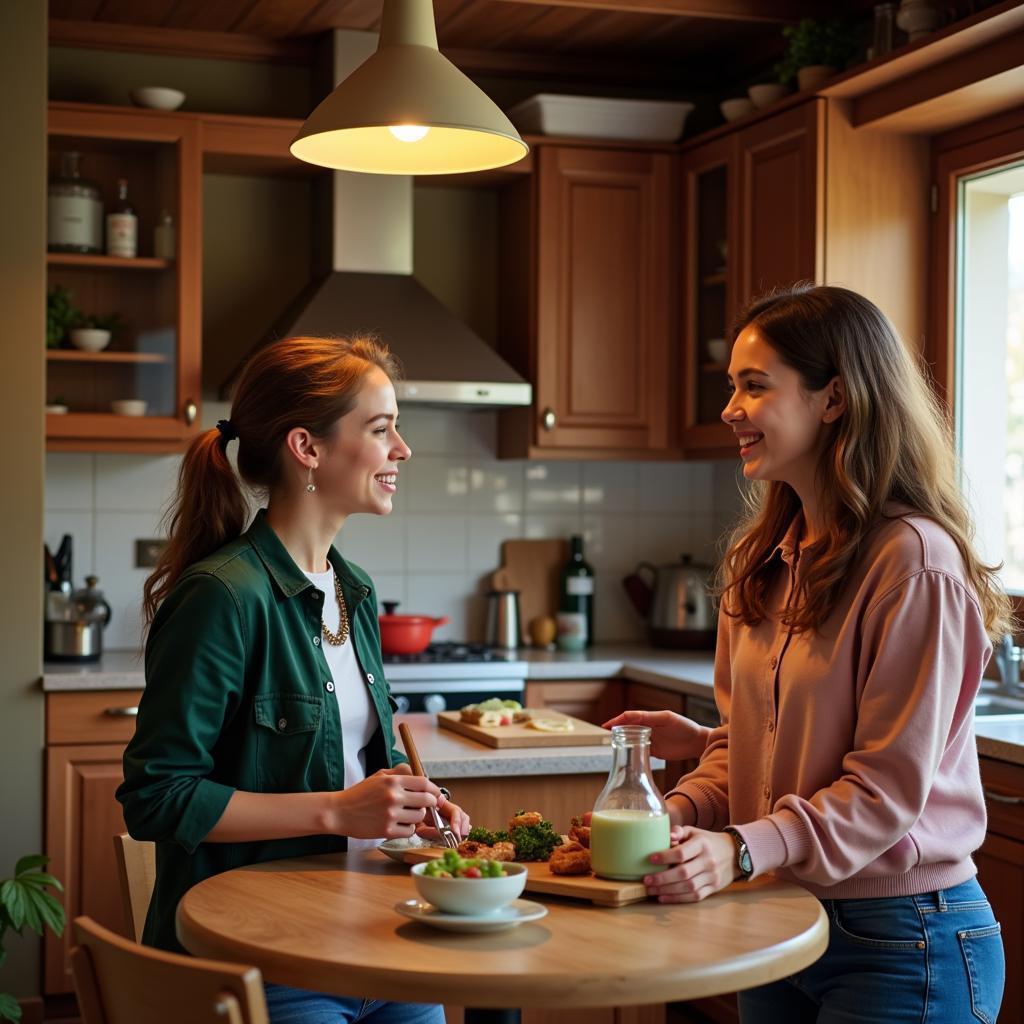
[(310, 486)]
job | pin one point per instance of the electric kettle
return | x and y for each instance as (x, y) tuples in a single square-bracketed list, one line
[(676, 601)]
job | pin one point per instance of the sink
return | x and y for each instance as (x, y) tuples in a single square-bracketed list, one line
[(991, 705)]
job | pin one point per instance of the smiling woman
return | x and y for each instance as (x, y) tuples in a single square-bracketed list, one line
[(265, 729)]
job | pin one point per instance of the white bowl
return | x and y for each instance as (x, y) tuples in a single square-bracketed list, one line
[(90, 339), (396, 849), (129, 407), (474, 896), (56, 410), (157, 97), (765, 94), (734, 109)]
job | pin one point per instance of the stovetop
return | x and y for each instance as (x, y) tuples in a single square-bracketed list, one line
[(449, 652)]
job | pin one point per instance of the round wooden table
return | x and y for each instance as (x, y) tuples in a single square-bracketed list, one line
[(328, 923)]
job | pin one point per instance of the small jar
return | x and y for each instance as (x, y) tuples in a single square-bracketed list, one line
[(163, 237), (74, 215), (630, 819)]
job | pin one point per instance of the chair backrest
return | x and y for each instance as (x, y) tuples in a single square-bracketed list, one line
[(121, 982), (136, 866)]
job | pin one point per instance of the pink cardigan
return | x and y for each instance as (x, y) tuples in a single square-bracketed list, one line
[(863, 781)]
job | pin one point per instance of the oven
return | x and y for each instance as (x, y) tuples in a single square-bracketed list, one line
[(433, 695)]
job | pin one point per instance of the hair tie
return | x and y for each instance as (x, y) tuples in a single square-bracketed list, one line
[(227, 430)]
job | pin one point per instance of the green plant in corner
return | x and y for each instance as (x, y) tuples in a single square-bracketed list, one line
[(812, 42), (25, 903)]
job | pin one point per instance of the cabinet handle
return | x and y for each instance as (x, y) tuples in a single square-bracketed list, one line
[(549, 420), (191, 411), (1001, 798), (122, 712)]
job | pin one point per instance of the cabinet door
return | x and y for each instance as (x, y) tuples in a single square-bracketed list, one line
[(1000, 864), (710, 187), (82, 817), (781, 222), (592, 701), (603, 362)]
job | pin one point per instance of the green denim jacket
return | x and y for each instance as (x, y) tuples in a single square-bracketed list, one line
[(239, 696)]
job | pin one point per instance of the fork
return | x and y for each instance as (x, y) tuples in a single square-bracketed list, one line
[(442, 826)]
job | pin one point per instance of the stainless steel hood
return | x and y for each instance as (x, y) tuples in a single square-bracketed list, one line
[(370, 288)]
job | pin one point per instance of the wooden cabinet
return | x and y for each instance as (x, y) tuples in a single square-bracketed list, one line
[(592, 700), (155, 353), (587, 304), (642, 697), (751, 222), (1001, 870), (86, 736)]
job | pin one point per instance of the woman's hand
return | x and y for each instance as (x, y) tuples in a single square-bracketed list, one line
[(388, 804), (456, 817), (701, 864), (673, 737)]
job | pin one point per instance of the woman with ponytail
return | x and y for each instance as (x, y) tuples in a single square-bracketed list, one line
[(855, 623), (265, 729)]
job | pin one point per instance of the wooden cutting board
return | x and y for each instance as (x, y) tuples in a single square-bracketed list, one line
[(605, 892), (533, 567), (583, 733)]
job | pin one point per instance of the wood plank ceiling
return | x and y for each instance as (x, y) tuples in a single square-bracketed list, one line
[(681, 42)]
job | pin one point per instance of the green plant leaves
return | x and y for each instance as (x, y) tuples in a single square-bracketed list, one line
[(35, 860), (9, 1008)]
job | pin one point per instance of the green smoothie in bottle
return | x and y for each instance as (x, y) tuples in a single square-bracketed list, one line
[(630, 819)]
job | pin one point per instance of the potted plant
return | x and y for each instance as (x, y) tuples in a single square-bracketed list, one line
[(24, 902), (816, 50), (92, 333), (61, 315)]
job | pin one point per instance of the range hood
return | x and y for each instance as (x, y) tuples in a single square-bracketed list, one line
[(369, 288)]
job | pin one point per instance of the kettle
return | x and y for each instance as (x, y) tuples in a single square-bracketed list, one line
[(676, 601), (73, 628)]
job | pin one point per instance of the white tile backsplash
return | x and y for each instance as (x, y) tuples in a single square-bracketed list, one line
[(456, 503)]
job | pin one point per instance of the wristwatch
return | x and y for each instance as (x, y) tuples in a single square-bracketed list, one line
[(743, 861)]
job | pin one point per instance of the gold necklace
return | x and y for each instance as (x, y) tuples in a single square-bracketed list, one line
[(337, 639)]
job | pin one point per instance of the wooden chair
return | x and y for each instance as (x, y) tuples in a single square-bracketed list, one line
[(136, 867), (121, 982)]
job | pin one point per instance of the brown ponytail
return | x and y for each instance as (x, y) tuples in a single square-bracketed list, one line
[(295, 382)]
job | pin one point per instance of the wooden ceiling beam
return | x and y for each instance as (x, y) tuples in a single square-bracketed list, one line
[(770, 11), (179, 42)]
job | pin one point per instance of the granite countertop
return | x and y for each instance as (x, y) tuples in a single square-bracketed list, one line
[(447, 755), (688, 672)]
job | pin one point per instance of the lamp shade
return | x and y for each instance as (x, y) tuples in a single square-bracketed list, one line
[(374, 120)]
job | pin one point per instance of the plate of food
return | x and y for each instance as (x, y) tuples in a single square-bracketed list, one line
[(396, 849)]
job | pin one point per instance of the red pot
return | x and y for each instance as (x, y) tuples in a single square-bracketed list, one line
[(406, 634)]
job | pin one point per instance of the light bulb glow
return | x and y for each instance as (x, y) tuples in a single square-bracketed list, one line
[(408, 132)]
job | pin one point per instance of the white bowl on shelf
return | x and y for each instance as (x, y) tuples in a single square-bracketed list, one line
[(90, 339), (734, 109), (157, 97), (129, 407), (766, 93), (601, 117), (56, 409)]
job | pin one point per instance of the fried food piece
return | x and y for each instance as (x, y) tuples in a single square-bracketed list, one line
[(525, 818), (570, 859), (503, 851), (580, 834)]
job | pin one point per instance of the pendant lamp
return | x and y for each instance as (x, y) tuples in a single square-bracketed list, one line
[(408, 110)]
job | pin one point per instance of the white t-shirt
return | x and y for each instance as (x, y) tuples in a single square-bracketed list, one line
[(359, 719)]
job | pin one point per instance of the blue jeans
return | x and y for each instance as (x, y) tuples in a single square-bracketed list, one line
[(936, 957), (287, 1005)]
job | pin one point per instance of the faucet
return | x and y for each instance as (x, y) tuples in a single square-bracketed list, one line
[(1008, 658)]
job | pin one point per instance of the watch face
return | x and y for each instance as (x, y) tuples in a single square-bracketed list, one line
[(746, 865)]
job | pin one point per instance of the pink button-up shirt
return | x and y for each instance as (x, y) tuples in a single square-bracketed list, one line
[(846, 758)]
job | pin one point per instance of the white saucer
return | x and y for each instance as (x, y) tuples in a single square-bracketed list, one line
[(517, 912)]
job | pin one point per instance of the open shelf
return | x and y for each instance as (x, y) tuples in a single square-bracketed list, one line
[(77, 259), (73, 355)]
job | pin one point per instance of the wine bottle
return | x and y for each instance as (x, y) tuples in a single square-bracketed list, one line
[(577, 599), (122, 225)]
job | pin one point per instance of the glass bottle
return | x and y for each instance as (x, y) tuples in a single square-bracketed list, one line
[(576, 602), (882, 35), (122, 225), (630, 819), (74, 221), (163, 237)]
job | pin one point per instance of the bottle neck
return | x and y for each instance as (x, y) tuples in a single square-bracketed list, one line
[(632, 762)]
